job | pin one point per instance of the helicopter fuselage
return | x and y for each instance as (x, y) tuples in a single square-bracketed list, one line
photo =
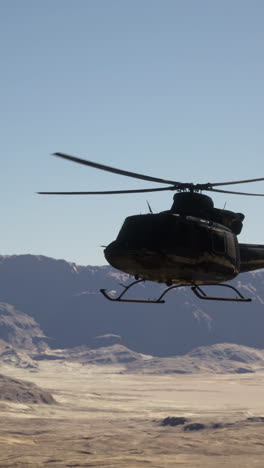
[(173, 248)]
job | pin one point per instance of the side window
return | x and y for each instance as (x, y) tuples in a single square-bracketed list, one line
[(231, 246), (218, 241)]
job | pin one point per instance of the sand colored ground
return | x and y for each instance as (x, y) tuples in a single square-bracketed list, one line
[(106, 418)]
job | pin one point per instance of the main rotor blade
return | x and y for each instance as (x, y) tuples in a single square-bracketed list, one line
[(114, 170), (111, 192), (237, 193), (237, 182)]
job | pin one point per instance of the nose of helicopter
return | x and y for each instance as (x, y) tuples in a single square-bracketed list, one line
[(117, 256)]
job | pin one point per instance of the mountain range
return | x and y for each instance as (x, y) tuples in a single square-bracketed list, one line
[(68, 310)]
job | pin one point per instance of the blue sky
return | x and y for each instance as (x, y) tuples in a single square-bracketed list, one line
[(169, 88)]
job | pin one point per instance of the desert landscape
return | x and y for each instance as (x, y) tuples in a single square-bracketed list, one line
[(87, 384), (103, 416)]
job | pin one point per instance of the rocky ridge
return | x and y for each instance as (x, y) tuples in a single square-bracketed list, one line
[(20, 391)]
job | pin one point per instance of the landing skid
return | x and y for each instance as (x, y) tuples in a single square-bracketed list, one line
[(197, 290)]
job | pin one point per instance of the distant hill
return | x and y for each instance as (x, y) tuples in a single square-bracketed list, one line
[(65, 301), (217, 359)]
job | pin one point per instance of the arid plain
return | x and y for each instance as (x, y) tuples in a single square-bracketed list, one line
[(105, 417)]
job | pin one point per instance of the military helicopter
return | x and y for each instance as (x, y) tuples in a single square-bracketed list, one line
[(192, 244)]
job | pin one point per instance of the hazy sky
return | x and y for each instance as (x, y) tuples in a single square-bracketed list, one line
[(170, 88)]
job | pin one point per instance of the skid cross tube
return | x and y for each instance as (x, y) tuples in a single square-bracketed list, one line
[(169, 289), (126, 288), (202, 295)]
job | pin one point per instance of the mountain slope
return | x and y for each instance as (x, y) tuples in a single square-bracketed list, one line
[(20, 337)]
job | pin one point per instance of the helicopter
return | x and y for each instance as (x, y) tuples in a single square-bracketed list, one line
[(192, 244)]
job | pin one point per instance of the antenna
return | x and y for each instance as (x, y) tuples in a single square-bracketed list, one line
[(149, 207)]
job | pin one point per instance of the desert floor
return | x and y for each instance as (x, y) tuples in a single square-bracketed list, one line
[(106, 418)]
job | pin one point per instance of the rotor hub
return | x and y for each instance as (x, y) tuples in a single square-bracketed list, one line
[(191, 203)]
